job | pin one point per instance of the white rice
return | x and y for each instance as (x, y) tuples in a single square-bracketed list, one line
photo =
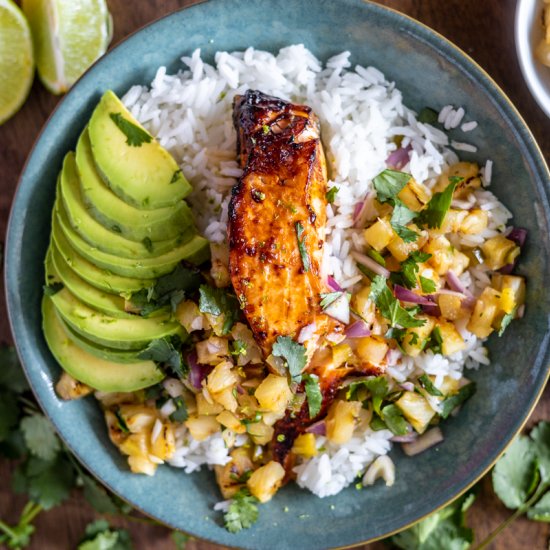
[(360, 112)]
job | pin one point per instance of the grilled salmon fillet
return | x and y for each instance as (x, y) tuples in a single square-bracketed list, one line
[(277, 219)]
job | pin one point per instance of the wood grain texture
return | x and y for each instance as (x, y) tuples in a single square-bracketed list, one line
[(484, 29)]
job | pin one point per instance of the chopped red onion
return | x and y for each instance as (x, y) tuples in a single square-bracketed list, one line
[(307, 332), (521, 311), (318, 428), (407, 386), (339, 309), (448, 292), (406, 295), (456, 284), (409, 438), (399, 158), (425, 441), (392, 356), (518, 235), (357, 210), (333, 285), (359, 329), (432, 310), (196, 372), (360, 212), (507, 269), (375, 267)]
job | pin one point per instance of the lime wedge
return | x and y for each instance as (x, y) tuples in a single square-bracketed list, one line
[(16, 59), (68, 35)]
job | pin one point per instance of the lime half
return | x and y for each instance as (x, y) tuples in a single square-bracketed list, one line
[(16, 59), (68, 35)]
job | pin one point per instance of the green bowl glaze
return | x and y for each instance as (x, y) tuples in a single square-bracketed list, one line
[(429, 71)]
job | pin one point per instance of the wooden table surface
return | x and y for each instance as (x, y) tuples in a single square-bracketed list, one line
[(484, 29)]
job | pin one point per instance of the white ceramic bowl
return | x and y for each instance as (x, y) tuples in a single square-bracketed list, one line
[(528, 33)]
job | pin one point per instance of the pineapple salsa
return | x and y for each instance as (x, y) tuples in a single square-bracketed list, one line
[(411, 300)]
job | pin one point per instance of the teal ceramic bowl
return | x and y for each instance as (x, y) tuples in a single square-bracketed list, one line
[(430, 71)]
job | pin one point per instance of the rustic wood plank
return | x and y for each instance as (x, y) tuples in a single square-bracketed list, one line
[(484, 29)]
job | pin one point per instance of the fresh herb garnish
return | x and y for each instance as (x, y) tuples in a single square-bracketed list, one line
[(410, 268), (428, 116), (428, 385), (390, 307), (377, 257), (401, 216), (389, 183), (238, 347), (327, 299), (294, 355), (436, 210), (506, 320), (180, 414), (40, 437), (265, 129), (53, 288), (394, 420), (302, 246), (427, 285), (121, 422), (449, 404), (435, 341), (166, 351), (99, 535), (331, 194), (217, 301), (313, 394), (135, 136), (242, 512)]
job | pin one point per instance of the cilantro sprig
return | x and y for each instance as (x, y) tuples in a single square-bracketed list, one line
[(313, 394), (217, 301), (293, 353), (242, 512)]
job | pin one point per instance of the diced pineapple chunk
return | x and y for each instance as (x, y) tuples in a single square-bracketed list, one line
[(340, 354), (265, 481), (232, 476), (273, 394), (415, 338), (507, 300), (202, 427), (188, 314), (485, 312), (453, 221), (212, 351), (260, 432), (229, 420), (361, 303), (513, 282), (423, 194), (137, 417), (341, 420), (304, 445), (136, 445), (372, 349), (409, 199), (416, 410), (475, 222), (442, 253), (468, 171), (451, 340), (141, 465), (499, 251), (379, 234), (223, 376), (69, 388), (450, 306), (164, 445), (226, 398), (399, 249), (449, 385), (205, 408), (459, 263)]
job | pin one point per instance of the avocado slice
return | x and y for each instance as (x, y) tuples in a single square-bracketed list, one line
[(100, 278), (95, 233), (194, 251), (110, 304), (116, 215), (131, 162), (98, 373)]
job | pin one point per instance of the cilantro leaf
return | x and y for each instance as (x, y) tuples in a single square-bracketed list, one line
[(100, 536), (541, 510), (19, 535), (97, 496), (11, 372), (390, 307), (452, 402), (400, 217), (393, 418), (294, 355), (135, 136), (180, 414), (515, 473), (427, 384), (53, 288), (436, 210), (540, 436), (217, 301), (40, 436), (407, 235), (180, 539), (410, 268), (166, 351), (302, 245), (443, 529), (506, 320), (313, 394), (427, 285), (435, 341), (389, 183), (242, 512), (331, 194), (378, 388)]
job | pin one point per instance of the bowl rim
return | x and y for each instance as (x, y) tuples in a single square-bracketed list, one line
[(524, 53), (459, 53)]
